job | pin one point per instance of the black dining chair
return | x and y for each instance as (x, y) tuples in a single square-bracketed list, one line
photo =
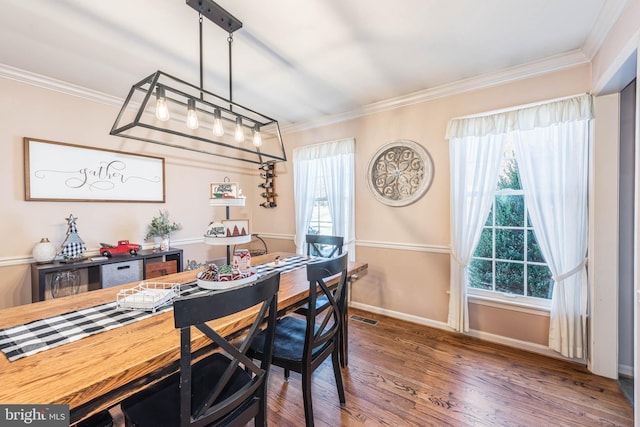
[(301, 345), (224, 388), (100, 419), (323, 245), (326, 246)]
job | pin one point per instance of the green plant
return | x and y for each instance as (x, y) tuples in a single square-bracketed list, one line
[(161, 226)]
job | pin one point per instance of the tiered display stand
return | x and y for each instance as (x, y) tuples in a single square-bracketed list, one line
[(227, 241)]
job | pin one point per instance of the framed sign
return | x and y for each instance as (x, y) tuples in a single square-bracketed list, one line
[(224, 190), (235, 227), (56, 171), (400, 173)]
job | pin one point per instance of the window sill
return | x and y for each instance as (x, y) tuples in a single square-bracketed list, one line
[(506, 303)]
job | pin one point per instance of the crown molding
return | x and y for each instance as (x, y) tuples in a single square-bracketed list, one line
[(22, 76), (547, 65), (606, 19), (531, 69)]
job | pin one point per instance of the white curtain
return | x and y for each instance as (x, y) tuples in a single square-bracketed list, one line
[(335, 161), (553, 164), (305, 177), (551, 150), (474, 164)]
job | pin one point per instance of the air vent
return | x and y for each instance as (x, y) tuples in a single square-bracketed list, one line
[(364, 320)]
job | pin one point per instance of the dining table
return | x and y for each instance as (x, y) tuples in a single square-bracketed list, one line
[(98, 371)]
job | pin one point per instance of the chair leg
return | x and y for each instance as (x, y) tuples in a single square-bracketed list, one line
[(286, 375), (261, 417), (335, 359), (306, 397), (344, 341)]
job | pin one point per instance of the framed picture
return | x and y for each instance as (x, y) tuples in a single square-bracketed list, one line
[(224, 190), (56, 171), (235, 227)]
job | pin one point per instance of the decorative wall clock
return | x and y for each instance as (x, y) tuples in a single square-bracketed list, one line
[(400, 173)]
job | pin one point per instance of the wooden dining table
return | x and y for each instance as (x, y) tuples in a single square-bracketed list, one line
[(98, 371)]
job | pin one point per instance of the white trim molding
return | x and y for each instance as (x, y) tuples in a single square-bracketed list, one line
[(497, 339), (49, 83), (417, 247)]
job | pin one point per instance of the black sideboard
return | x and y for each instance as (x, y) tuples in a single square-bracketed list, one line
[(102, 273)]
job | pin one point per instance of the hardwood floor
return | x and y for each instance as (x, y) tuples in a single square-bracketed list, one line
[(403, 374)]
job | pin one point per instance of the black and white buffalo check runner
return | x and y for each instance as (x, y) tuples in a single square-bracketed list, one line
[(24, 340)]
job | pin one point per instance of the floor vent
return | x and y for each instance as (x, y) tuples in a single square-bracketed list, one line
[(364, 320)]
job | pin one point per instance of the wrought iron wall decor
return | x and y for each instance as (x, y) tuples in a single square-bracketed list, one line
[(400, 173), (165, 110)]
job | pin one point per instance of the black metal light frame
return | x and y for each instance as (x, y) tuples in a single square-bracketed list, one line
[(137, 119)]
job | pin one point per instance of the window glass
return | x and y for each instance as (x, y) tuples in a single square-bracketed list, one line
[(507, 258)]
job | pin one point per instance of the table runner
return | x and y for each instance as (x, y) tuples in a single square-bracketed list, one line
[(20, 341)]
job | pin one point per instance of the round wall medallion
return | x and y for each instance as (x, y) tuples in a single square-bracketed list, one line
[(400, 173)]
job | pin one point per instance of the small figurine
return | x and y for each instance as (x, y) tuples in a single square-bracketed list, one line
[(73, 246)]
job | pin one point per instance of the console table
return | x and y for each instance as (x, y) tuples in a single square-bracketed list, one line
[(103, 273)]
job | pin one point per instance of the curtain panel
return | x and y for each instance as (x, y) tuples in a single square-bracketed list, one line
[(335, 161), (551, 141)]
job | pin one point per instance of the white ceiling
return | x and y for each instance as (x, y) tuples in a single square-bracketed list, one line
[(300, 60)]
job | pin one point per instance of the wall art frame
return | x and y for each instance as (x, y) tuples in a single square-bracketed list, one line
[(62, 172), (400, 173)]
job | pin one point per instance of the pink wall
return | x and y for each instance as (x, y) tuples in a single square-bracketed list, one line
[(406, 248)]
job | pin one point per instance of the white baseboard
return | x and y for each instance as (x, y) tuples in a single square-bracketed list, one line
[(510, 342), (625, 370)]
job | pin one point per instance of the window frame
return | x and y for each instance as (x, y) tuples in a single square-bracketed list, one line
[(501, 297)]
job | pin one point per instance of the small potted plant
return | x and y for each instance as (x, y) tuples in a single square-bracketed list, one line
[(161, 228)]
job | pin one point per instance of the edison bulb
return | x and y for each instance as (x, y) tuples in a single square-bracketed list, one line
[(162, 110), (239, 134), (192, 116), (257, 138), (218, 129)]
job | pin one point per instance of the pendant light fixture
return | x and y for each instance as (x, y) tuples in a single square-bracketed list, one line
[(189, 117)]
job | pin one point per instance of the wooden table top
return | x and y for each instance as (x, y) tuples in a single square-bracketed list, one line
[(98, 371)]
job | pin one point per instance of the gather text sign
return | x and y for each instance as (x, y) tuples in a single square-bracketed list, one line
[(56, 171)]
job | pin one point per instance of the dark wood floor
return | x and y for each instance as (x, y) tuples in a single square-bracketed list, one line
[(403, 374)]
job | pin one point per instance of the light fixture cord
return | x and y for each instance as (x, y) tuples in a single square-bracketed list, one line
[(201, 66), (230, 41)]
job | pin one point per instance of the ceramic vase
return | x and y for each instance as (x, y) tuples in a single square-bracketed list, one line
[(44, 252)]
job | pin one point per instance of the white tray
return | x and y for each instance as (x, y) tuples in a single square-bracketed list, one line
[(229, 284), (227, 201), (147, 296), (227, 241)]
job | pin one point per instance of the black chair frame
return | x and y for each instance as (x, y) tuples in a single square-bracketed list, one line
[(303, 345), (224, 388), (316, 241)]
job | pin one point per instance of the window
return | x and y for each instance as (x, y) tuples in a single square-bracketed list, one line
[(321, 222), (507, 258), (323, 180)]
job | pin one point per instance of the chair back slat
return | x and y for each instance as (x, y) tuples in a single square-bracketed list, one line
[(194, 311), (323, 323), (324, 246)]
